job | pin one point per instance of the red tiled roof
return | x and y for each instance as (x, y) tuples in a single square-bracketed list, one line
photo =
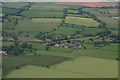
[(2, 51)]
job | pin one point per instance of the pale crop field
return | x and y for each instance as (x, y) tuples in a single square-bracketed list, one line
[(82, 21), (82, 67), (116, 18), (50, 20)]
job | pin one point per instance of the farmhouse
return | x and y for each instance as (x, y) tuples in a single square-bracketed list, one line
[(107, 38), (69, 36), (68, 45), (45, 43), (4, 52)]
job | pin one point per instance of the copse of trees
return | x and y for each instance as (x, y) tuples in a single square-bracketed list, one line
[(17, 48), (80, 11), (65, 10), (102, 25), (100, 43)]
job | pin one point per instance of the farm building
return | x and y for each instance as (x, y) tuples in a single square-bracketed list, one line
[(4, 52), (68, 45)]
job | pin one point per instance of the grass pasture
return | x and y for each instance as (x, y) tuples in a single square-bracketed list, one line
[(92, 31), (56, 52), (8, 24), (14, 17), (46, 6), (37, 24), (41, 13), (27, 39), (74, 15), (103, 52), (7, 43), (10, 62), (90, 67), (100, 12), (72, 11), (112, 47), (69, 31), (17, 5), (66, 30), (111, 23), (98, 53), (9, 10), (82, 67), (110, 11), (82, 21), (105, 17)]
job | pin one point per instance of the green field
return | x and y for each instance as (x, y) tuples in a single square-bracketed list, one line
[(103, 52), (72, 11), (66, 30), (112, 47), (10, 62), (82, 67), (42, 13), (8, 24), (9, 10), (46, 6), (7, 43), (31, 31), (105, 17), (82, 21), (111, 11), (31, 25), (74, 15), (92, 31), (111, 22), (69, 31), (14, 4)]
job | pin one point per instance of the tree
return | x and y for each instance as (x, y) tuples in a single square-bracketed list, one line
[(24, 45), (80, 11), (16, 43), (47, 48), (68, 41), (85, 48), (30, 46), (17, 67), (34, 53), (15, 37), (91, 39), (77, 31), (102, 25)]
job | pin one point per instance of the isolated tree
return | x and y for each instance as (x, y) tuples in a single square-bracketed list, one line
[(47, 48), (30, 46), (17, 67), (15, 37), (35, 53), (85, 48), (91, 39)]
